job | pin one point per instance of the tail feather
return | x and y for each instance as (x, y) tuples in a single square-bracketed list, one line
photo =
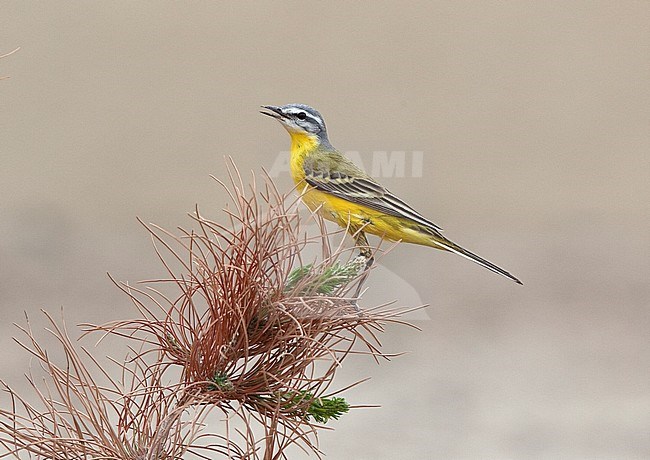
[(444, 243)]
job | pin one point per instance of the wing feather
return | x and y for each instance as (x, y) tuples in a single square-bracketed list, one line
[(363, 190)]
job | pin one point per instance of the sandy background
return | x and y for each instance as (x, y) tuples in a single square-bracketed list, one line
[(534, 120)]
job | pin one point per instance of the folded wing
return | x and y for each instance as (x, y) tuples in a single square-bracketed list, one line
[(352, 184)]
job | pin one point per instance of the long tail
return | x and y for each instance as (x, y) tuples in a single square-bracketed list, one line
[(443, 243)]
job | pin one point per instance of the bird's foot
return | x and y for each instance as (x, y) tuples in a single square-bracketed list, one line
[(363, 263), (367, 256)]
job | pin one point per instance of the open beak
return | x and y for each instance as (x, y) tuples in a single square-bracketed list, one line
[(274, 112)]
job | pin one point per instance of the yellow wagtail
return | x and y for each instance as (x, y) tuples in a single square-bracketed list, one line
[(341, 192)]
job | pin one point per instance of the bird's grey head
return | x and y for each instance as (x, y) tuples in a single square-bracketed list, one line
[(298, 119)]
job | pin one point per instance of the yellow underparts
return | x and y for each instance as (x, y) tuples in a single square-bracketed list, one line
[(345, 213)]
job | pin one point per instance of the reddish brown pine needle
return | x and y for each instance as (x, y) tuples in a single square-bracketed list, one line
[(242, 323)]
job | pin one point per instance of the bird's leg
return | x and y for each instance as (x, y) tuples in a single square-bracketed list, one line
[(364, 248), (366, 253)]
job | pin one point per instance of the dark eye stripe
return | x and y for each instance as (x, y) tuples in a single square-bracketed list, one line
[(306, 116)]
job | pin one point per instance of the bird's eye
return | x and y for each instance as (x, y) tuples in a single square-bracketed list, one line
[(301, 115)]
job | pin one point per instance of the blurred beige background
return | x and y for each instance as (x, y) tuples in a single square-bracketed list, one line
[(534, 120)]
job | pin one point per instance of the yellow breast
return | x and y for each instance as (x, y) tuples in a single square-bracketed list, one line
[(329, 206), (301, 145)]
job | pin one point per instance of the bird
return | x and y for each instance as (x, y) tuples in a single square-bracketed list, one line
[(334, 187)]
